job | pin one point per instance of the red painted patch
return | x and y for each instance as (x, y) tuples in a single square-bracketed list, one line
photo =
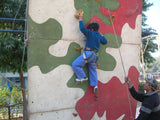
[(126, 13), (74, 114), (112, 98)]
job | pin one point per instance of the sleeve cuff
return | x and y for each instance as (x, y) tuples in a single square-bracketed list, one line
[(130, 86)]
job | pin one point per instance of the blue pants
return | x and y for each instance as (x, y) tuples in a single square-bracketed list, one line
[(79, 63)]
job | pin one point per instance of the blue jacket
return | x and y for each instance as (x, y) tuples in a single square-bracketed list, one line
[(94, 39), (150, 109)]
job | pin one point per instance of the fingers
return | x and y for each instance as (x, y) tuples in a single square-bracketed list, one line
[(80, 17), (128, 82), (79, 14), (127, 79)]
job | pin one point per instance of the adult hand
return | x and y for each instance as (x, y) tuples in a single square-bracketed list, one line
[(128, 81)]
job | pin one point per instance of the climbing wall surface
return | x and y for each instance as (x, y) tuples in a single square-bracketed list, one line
[(53, 34)]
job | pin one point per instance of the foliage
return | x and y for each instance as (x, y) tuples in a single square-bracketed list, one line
[(146, 6), (11, 44), (16, 95), (151, 47), (11, 50), (155, 66), (4, 96), (8, 8), (141, 87), (9, 98)]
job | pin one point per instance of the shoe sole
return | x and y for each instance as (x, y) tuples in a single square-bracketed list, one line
[(81, 80)]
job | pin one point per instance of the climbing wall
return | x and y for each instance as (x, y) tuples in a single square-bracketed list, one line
[(53, 35)]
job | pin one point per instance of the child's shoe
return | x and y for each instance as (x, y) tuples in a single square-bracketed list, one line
[(81, 80), (95, 89)]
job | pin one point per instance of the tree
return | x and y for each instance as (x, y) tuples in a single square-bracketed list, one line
[(148, 43), (7, 97), (12, 43), (155, 66)]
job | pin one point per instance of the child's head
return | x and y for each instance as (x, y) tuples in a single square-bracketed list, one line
[(93, 26)]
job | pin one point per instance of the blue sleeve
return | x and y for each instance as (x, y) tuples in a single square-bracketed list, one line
[(82, 28), (103, 40)]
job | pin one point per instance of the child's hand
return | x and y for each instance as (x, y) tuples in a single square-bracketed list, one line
[(79, 14), (80, 17), (100, 33)]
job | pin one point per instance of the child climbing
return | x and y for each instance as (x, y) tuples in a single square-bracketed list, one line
[(90, 54)]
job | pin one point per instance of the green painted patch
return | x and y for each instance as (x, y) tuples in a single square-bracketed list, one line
[(40, 42), (38, 52), (72, 83), (114, 41), (50, 32), (91, 7)]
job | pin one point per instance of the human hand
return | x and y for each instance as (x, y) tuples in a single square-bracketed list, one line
[(79, 14), (80, 17), (100, 33), (128, 81)]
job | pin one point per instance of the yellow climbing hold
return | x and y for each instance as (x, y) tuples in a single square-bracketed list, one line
[(111, 19), (79, 13), (78, 49), (98, 65), (98, 1)]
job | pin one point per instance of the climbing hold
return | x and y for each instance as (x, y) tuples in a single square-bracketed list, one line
[(98, 1), (98, 65), (75, 114), (78, 49), (111, 19), (78, 13)]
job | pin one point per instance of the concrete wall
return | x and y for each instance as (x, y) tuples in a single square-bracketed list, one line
[(53, 34)]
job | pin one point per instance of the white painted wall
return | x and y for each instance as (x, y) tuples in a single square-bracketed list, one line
[(50, 100)]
